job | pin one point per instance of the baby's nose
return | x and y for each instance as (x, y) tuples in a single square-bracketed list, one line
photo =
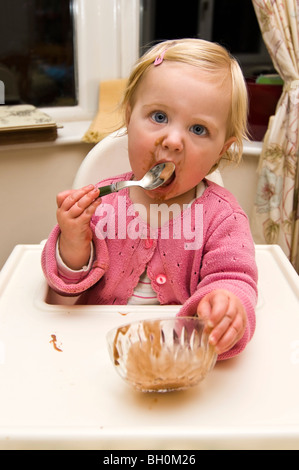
[(173, 141)]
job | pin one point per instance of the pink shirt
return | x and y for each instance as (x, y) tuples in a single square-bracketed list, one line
[(215, 251)]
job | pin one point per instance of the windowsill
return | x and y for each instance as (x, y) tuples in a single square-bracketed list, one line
[(72, 132)]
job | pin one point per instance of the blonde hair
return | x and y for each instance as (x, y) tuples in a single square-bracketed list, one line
[(212, 58)]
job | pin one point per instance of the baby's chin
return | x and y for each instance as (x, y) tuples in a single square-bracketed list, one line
[(175, 196)]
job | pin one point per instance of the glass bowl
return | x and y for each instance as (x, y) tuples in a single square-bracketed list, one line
[(161, 355)]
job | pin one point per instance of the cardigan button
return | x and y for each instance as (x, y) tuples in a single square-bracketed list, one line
[(161, 279)]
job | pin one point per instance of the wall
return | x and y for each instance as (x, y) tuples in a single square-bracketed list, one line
[(30, 178), (242, 180)]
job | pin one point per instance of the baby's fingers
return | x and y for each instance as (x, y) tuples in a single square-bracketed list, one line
[(227, 333), (213, 307), (225, 316), (77, 200), (204, 309), (220, 306), (62, 196), (86, 204), (86, 214)]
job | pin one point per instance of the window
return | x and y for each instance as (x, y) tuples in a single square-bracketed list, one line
[(232, 23), (100, 35), (37, 63)]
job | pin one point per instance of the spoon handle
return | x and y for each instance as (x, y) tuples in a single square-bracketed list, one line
[(115, 187), (104, 190)]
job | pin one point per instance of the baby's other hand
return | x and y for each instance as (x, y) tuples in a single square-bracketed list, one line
[(225, 317)]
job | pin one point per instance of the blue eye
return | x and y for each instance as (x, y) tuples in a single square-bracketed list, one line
[(159, 117), (198, 129)]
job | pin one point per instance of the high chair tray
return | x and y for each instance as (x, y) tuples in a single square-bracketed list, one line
[(70, 397)]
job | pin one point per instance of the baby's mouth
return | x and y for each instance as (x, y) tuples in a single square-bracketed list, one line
[(168, 181)]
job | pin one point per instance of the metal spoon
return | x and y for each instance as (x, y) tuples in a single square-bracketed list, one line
[(154, 178)]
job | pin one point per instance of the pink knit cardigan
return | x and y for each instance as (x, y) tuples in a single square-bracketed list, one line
[(225, 258)]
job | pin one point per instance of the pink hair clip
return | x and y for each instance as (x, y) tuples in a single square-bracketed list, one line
[(159, 58)]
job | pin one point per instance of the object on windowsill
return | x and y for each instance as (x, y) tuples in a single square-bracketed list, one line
[(264, 93), (109, 117), (269, 79), (25, 123)]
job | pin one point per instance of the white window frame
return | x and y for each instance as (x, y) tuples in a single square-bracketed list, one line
[(106, 46)]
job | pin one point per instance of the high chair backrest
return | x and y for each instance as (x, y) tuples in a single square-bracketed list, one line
[(110, 158)]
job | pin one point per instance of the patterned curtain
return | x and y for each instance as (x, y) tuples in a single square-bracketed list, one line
[(275, 215)]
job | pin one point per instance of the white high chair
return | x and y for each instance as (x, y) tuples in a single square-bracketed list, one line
[(110, 158)]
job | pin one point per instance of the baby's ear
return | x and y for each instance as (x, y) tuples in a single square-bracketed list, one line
[(227, 145)]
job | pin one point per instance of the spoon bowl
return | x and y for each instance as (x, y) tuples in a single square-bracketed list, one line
[(155, 177)]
